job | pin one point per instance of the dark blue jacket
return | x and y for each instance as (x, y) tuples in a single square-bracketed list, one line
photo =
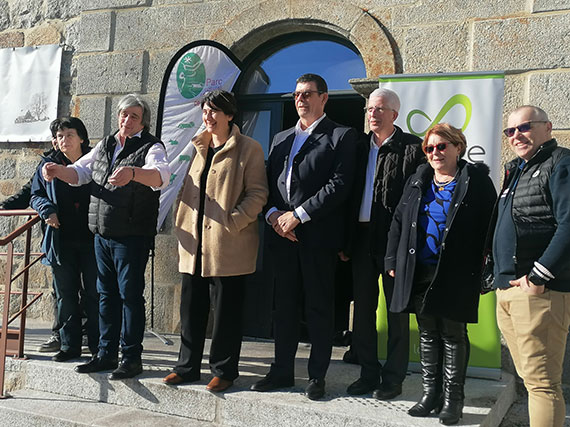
[(321, 180), (46, 199)]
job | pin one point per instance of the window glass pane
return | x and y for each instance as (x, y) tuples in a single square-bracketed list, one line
[(335, 62), (256, 125)]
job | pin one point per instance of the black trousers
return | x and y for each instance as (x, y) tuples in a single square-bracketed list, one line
[(303, 272), (342, 295), (366, 271), (226, 295)]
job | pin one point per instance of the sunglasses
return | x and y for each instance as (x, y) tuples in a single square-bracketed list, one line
[(306, 94), (442, 146), (523, 127)]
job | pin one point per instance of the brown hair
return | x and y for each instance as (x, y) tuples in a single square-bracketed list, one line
[(450, 134)]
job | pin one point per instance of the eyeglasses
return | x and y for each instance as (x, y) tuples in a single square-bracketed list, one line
[(442, 146), (523, 127), (305, 94), (371, 110)]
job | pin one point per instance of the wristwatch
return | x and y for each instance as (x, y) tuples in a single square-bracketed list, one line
[(536, 279)]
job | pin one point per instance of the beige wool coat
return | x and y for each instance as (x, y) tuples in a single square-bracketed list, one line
[(236, 191)]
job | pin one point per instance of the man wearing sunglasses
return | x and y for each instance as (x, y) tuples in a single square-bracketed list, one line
[(310, 171), (532, 268), (393, 156)]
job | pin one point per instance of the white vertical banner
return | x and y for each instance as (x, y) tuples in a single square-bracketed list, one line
[(472, 102), (29, 88), (196, 69)]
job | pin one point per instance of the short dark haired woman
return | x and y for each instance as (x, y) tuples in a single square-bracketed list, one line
[(217, 230), (68, 243)]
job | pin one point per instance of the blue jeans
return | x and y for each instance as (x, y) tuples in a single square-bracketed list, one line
[(76, 275), (121, 265)]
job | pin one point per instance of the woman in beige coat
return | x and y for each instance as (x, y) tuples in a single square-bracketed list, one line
[(217, 230)]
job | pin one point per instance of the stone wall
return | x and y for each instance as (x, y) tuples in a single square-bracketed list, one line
[(113, 47)]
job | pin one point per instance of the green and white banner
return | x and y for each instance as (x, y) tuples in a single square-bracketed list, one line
[(196, 69), (472, 102)]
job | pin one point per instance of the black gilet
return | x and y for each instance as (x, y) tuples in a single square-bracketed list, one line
[(532, 205), (131, 210)]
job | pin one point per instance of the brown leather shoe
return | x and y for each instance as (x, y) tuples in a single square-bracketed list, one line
[(218, 384), (173, 379)]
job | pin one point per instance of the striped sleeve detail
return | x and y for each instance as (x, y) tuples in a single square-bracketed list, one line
[(540, 275)]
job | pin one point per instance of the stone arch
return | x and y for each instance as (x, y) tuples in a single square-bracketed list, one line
[(271, 18)]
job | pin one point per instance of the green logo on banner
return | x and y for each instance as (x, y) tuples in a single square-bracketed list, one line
[(191, 76), (453, 101)]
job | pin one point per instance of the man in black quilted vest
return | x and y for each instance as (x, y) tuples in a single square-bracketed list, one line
[(532, 267), (127, 170), (391, 156)]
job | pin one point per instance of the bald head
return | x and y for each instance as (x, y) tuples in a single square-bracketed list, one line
[(537, 113), (529, 128)]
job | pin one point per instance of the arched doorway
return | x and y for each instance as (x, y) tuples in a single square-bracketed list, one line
[(268, 78), (266, 107)]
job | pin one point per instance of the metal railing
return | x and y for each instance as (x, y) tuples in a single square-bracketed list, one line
[(12, 340)]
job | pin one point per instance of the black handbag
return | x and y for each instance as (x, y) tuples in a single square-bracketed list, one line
[(487, 274)]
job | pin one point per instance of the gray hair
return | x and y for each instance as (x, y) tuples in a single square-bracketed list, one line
[(135, 100), (539, 113), (389, 96)]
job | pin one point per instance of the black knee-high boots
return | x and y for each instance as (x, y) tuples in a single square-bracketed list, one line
[(431, 360), (456, 356)]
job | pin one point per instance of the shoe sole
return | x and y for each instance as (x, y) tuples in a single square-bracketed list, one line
[(49, 350), (67, 359), (114, 377), (315, 397)]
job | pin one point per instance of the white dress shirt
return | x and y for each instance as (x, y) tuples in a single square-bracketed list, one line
[(368, 193), (154, 159), (301, 137)]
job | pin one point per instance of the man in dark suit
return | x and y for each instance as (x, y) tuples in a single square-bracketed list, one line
[(310, 172), (392, 156)]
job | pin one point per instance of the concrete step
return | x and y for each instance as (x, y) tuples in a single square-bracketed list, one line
[(486, 400), (30, 408)]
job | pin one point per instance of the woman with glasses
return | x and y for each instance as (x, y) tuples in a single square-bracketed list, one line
[(435, 253), (216, 225)]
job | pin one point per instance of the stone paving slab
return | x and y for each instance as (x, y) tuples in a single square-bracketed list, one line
[(486, 400), (29, 408)]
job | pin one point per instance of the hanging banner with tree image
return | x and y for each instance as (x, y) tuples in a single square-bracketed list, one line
[(29, 87)]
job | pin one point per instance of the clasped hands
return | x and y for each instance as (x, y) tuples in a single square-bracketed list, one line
[(284, 223), (122, 176)]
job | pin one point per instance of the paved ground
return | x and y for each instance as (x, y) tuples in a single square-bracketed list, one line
[(336, 407)]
